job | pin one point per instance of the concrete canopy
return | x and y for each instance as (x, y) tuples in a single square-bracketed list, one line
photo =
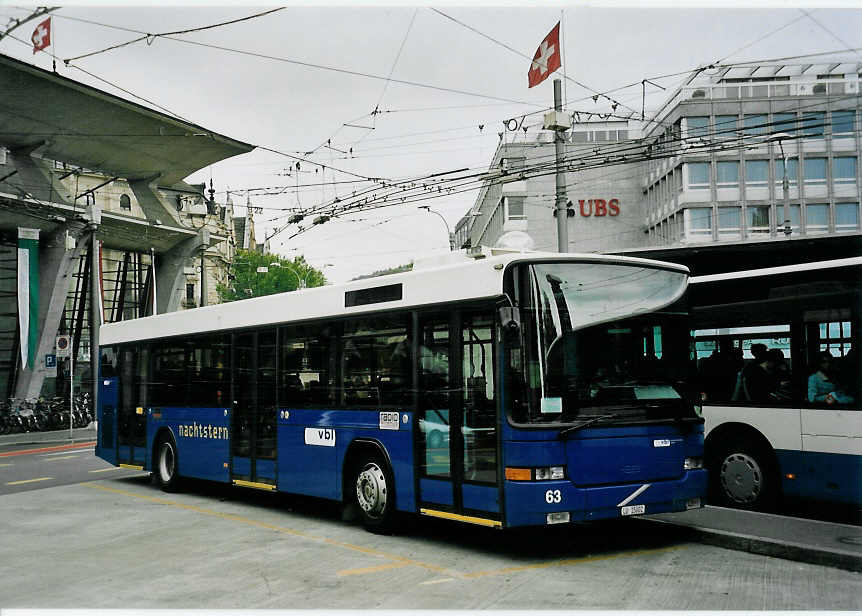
[(75, 123)]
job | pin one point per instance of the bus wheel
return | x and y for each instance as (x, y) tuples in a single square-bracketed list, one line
[(167, 464), (743, 476), (375, 496)]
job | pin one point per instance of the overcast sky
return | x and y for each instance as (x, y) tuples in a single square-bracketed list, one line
[(294, 108)]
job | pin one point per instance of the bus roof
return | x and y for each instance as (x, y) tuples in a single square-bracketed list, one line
[(465, 277), (773, 271)]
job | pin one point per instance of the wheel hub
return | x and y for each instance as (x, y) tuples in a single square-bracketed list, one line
[(371, 490), (742, 478)]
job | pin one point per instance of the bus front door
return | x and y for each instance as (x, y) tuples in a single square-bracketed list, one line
[(131, 418), (253, 422), (457, 437)]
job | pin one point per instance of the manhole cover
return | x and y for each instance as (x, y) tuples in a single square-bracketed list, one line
[(851, 540)]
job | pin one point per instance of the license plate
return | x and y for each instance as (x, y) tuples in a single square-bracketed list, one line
[(632, 510)]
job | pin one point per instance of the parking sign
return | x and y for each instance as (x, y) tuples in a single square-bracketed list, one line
[(63, 346)]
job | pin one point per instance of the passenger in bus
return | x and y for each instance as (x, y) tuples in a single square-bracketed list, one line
[(822, 387), (757, 382), (720, 370)]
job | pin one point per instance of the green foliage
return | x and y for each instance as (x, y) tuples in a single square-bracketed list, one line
[(245, 281)]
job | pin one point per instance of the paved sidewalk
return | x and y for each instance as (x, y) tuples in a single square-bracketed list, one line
[(811, 541), (53, 437)]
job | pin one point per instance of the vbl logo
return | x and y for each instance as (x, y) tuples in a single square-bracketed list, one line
[(599, 207)]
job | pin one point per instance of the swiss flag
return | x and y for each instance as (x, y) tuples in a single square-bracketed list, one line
[(41, 36), (547, 58)]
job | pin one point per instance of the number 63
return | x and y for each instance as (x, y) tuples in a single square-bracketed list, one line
[(553, 496)]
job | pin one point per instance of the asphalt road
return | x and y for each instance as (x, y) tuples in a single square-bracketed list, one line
[(38, 466), (87, 539)]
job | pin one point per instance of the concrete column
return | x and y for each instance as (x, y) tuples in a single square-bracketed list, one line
[(34, 177), (155, 208), (170, 278), (56, 265)]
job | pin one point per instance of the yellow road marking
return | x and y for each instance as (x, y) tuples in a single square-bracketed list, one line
[(59, 458), (105, 470), (440, 581), (567, 562), (397, 561), (365, 570), (280, 529), (18, 483), (134, 467), (1, 465)]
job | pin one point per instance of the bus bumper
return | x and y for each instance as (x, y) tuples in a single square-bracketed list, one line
[(530, 503)]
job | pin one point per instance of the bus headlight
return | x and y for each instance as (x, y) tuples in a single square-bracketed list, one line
[(535, 474), (692, 463), (549, 472)]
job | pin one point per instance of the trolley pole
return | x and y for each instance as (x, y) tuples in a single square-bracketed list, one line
[(559, 125), (95, 319)]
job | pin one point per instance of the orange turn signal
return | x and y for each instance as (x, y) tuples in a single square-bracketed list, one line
[(518, 474)]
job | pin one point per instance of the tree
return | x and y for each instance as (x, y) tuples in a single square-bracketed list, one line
[(280, 275), (385, 272)]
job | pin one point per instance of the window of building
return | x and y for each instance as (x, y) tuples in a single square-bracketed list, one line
[(815, 171), (729, 92), (795, 217), (755, 124), (756, 172), (757, 220), (514, 208), (842, 122), (817, 218), (600, 135), (622, 135), (699, 222), (580, 137), (729, 227), (698, 175), (781, 90), (697, 126), (727, 174), (510, 163), (846, 216), (813, 123), (784, 122), (844, 170), (725, 126), (125, 202), (190, 293), (792, 171)]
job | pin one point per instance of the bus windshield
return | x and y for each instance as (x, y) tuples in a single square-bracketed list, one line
[(603, 342)]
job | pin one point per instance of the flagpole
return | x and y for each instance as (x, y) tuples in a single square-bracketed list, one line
[(563, 52)]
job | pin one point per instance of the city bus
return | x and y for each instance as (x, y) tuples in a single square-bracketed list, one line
[(501, 390), (778, 367)]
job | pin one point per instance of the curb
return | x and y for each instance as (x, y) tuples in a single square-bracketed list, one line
[(799, 552)]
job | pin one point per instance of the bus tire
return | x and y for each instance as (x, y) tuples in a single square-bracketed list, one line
[(167, 464), (374, 493), (743, 475)]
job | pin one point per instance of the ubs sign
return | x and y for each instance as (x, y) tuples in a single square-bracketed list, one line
[(599, 207)]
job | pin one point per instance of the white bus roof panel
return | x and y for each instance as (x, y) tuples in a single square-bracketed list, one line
[(470, 279)]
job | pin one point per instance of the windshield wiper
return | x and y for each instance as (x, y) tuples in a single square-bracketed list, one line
[(572, 429)]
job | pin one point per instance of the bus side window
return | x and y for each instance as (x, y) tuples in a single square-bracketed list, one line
[(833, 363)]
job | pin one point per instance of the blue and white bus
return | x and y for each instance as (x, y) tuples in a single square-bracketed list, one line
[(779, 370), (496, 389)]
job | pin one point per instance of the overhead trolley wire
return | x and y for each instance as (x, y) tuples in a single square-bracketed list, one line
[(151, 37)]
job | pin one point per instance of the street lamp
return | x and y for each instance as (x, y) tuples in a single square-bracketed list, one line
[(448, 231), (785, 183)]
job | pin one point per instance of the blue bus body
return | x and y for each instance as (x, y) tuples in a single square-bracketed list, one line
[(457, 451)]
